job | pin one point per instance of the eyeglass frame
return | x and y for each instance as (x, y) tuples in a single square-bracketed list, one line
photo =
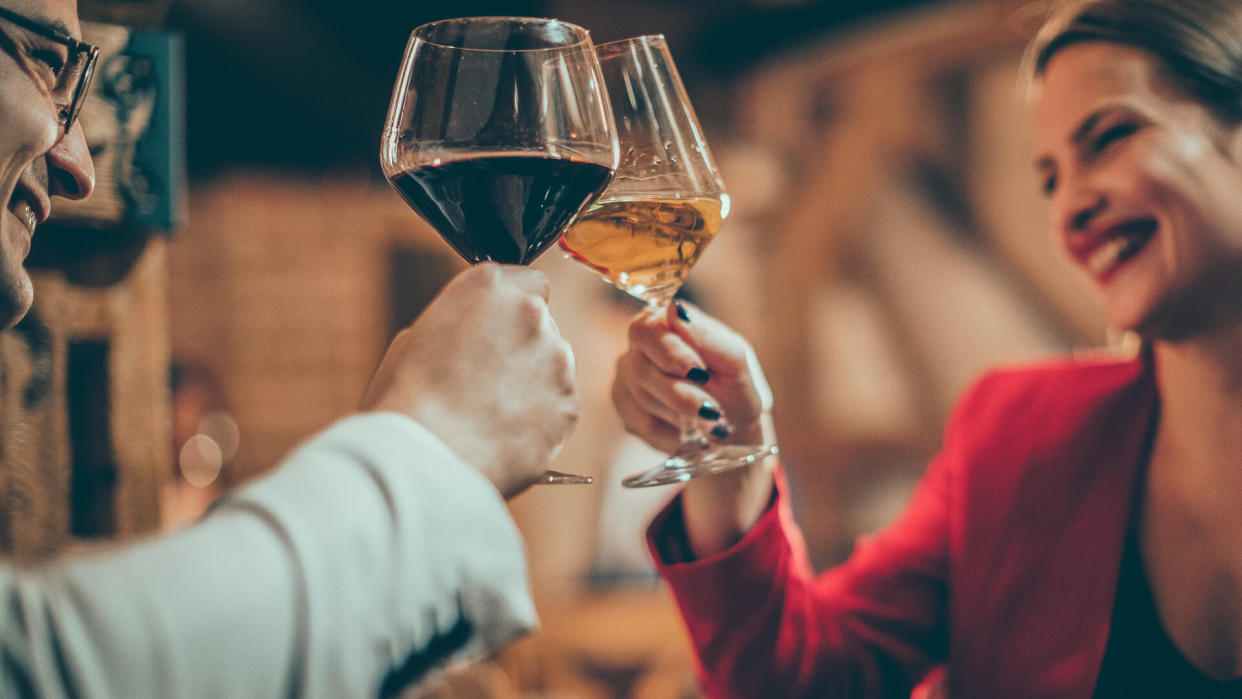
[(68, 114)]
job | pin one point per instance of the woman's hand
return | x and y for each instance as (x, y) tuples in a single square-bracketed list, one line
[(687, 363)]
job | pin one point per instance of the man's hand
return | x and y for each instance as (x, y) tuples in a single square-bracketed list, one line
[(485, 369)]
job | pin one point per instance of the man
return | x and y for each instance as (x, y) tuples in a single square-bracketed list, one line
[(379, 549)]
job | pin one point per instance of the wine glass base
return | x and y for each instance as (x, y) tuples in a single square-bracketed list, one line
[(695, 462)]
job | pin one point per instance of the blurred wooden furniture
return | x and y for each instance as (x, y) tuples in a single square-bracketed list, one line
[(131, 13), (86, 443), (906, 251)]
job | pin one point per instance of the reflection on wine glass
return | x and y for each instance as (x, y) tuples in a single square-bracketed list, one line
[(652, 223), (499, 134)]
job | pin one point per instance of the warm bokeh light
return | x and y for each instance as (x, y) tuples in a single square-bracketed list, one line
[(222, 428), (200, 461)]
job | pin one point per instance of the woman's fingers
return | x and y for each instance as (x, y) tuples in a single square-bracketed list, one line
[(715, 344), (677, 396), (644, 416), (651, 335), (678, 369)]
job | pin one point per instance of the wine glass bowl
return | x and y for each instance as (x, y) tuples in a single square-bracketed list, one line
[(646, 245), (667, 200), (499, 134), (651, 225)]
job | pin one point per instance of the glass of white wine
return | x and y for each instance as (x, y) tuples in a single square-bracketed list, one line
[(664, 205)]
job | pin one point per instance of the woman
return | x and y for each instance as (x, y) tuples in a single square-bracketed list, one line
[(1079, 534)]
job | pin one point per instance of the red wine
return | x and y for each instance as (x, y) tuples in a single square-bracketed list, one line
[(504, 208)]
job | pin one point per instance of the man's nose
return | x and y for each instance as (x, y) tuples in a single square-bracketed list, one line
[(71, 174)]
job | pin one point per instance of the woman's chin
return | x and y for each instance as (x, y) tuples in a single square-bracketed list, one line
[(1172, 321)]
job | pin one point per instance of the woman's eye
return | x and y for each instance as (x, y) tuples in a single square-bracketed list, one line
[(1048, 185), (1113, 134)]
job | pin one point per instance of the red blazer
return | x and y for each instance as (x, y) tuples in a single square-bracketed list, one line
[(1003, 566)]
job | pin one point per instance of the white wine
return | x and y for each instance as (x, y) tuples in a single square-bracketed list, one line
[(645, 246)]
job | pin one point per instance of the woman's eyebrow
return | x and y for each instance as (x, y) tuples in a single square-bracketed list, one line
[(1081, 134), (1089, 123)]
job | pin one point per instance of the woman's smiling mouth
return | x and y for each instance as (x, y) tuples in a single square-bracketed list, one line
[(1108, 249)]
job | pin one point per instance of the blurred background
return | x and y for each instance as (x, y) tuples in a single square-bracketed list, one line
[(887, 244)]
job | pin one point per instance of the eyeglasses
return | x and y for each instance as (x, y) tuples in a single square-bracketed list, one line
[(69, 76)]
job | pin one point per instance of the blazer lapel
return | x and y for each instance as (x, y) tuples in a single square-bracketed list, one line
[(1044, 578)]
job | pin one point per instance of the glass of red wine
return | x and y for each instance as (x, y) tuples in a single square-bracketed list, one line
[(499, 134)]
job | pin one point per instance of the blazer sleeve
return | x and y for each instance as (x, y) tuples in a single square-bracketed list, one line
[(370, 556), (763, 624)]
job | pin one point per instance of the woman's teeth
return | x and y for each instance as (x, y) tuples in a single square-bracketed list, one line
[(1106, 256), (1119, 249)]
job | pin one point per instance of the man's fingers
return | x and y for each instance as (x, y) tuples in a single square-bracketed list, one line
[(524, 279), (564, 367)]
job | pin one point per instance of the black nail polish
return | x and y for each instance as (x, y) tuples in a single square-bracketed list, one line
[(681, 312), (697, 375), (707, 411), (721, 430)]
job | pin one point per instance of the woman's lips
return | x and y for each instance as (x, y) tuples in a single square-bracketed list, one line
[(1116, 245)]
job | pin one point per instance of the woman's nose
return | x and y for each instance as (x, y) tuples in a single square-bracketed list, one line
[(1076, 208), (71, 174)]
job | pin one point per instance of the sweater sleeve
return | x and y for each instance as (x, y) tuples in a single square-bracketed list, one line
[(369, 557)]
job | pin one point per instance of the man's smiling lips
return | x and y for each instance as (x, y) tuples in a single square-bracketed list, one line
[(29, 208)]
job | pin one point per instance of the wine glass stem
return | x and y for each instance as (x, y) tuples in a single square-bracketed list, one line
[(659, 299), (692, 438)]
